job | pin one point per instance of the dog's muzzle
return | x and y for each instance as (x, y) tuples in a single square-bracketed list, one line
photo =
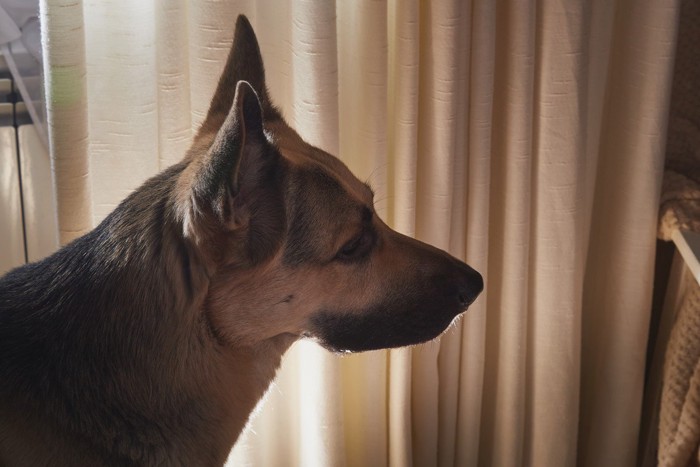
[(421, 311)]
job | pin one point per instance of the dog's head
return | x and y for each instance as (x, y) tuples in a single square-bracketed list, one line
[(291, 237)]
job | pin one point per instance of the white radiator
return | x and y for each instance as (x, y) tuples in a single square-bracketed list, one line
[(28, 227)]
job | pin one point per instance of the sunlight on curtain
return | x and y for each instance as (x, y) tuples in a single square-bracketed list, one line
[(524, 137)]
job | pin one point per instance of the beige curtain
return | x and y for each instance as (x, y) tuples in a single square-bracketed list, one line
[(523, 136)]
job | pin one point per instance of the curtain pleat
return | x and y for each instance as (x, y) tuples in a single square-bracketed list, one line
[(173, 88), (402, 147), (622, 238), (63, 39), (525, 137), (504, 423), (120, 62), (478, 114), (556, 262)]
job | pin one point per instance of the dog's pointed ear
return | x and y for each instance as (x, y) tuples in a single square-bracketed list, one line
[(244, 63), (239, 159)]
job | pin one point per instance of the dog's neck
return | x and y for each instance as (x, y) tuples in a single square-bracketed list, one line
[(155, 362), (213, 385)]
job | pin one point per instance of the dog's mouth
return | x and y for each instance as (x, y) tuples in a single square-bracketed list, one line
[(345, 334)]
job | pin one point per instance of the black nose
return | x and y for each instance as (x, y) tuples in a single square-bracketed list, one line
[(471, 288)]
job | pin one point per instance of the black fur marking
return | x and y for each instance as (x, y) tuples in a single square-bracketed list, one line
[(71, 339), (317, 204), (405, 318), (265, 202), (415, 306), (287, 299), (301, 246)]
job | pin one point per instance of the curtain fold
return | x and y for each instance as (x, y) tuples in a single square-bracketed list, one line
[(524, 137), (63, 37), (402, 150), (621, 244)]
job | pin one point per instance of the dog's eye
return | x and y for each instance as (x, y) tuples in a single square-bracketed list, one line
[(357, 247)]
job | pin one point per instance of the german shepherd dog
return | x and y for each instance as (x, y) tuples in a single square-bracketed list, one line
[(149, 340)]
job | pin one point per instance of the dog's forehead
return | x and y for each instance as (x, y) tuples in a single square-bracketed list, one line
[(301, 154)]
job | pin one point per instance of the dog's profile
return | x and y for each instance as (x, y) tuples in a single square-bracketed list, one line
[(149, 340)]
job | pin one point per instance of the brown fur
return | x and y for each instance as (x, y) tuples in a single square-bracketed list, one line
[(151, 339)]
